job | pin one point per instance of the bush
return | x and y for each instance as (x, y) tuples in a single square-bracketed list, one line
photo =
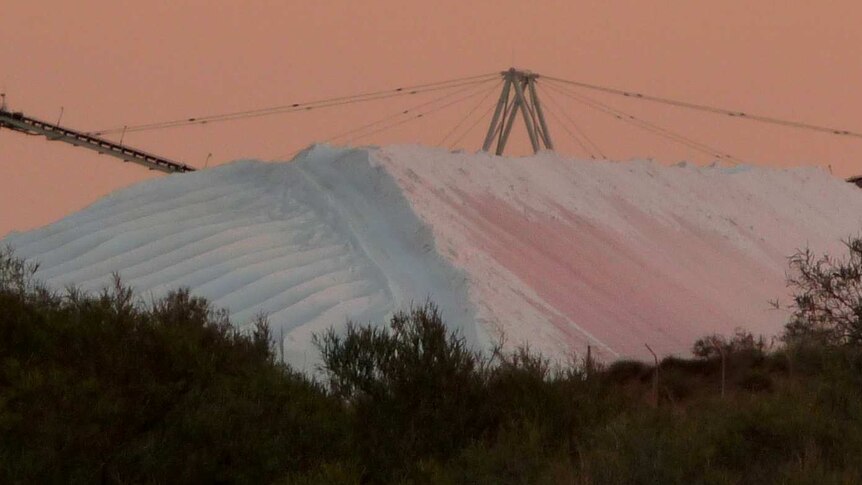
[(415, 388), (623, 371), (741, 342), (106, 389), (100, 388), (827, 304), (756, 381)]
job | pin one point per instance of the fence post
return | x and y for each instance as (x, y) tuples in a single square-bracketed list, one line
[(720, 349), (654, 376)]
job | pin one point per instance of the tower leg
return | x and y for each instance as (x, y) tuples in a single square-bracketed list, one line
[(531, 130), (504, 136), (501, 103), (546, 135)]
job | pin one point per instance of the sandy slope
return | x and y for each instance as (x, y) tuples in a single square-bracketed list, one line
[(552, 252)]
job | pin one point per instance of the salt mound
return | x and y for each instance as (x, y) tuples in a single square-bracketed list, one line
[(552, 252)]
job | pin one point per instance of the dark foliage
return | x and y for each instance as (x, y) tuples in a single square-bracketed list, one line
[(741, 342), (101, 389), (415, 388), (105, 389), (827, 304)]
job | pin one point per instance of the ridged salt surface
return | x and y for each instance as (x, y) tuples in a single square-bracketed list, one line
[(547, 251)]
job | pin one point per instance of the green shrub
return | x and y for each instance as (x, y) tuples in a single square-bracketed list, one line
[(102, 388), (756, 381), (415, 388), (623, 371), (827, 303)]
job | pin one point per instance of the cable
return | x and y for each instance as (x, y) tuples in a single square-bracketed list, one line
[(384, 119), (420, 115), (397, 114), (470, 113), (710, 109), (337, 101), (557, 105), (574, 137), (577, 127), (292, 109), (647, 125), (470, 128)]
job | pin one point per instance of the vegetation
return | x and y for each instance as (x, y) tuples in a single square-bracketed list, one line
[(103, 388)]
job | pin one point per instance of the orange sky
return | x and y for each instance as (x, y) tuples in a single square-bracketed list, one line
[(113, 62)]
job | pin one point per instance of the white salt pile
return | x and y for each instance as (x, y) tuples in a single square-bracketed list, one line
[(549, 251)]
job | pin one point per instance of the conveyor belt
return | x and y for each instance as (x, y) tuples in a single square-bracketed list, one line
[(18, 122)]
